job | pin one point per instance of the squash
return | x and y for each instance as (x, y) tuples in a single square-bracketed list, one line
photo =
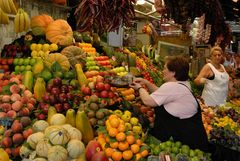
[(75, 148), (58, 136), (24, 151), (60, 32), (33, 139), (57, 57), (42, 147), (75, 133), (3, 155), (75, 55), (40, 126), (57, 153), (58, 119), (39, 24)]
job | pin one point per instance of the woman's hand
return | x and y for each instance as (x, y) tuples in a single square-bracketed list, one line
[(135, 86), (140, 80)]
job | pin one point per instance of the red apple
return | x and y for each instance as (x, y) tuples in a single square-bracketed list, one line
[(17, 127), (27, 133), (99, 78), (58, 107), (107, 87), (17, 139), (111, 94), (6, 142), (104, 94), (92, 147), (100, 86), (12, 114), (8, 133), (86, 90), (99, 156)]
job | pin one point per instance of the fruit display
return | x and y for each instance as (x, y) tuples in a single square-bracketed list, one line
[(23, 64), (42, 50)]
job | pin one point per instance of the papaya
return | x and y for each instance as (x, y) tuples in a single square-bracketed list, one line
[(38, 67), (28, 80), (82, 79), (71, 117), (39, 89), (83, 124)]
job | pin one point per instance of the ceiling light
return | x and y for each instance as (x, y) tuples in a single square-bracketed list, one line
[(140, 2)]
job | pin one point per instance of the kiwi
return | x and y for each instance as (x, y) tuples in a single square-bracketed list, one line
[(94, 98), (99, 114), (93, 106), (101, 122), (93, 121), (91, 114)]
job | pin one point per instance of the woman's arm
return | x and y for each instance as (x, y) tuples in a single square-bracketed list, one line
[(151, 87), (203, 75), (146, 98)]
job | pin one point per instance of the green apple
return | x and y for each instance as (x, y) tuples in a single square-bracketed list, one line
[(90, 58), (22, 68), (20, 62), (28, 68), (32, 61), (15, 61), (26, 61), (17, 68), (90, 63)]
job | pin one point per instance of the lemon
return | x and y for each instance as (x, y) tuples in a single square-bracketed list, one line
[(125, 118), (53, 47), (39, 47), (128, 126), (134, 121), (34, 53), (137, 129), (128, 113), (41, 53), (33, 46), (45, 47)]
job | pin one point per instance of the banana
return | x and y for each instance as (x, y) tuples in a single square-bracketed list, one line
[(4, 19), (12, 7), (17, 22), (22, 21), (6, 7), (27, 21)]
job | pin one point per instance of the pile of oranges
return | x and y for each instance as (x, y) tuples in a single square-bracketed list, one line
[(119, 143)]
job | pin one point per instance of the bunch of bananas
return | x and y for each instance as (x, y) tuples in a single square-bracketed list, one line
[(4, 19), (21, 21), (8, 6)]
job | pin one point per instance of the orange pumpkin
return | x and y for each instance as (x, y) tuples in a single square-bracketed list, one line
[(60, 32), (39, 24)]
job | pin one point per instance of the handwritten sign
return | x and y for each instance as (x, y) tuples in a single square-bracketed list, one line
[(6, 121)]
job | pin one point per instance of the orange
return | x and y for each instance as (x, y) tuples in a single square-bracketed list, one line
[(121, 128), (138, 156), (127, 155), (108, 152), (107, 139), (114, 122), (113, 132), (114, 145), (101, 140), (144, 153), (120, 136), (117, 155), (139, 142), (130, 139), (123, 145), (135, 148), (112, 116)]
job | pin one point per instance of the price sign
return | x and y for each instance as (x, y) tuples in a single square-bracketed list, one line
[(6, 121)]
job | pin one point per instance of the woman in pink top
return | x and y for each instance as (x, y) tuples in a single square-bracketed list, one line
[(177, 112)]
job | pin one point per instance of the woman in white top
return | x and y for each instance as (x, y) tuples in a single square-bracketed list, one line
[(177, 112), (215, 79)]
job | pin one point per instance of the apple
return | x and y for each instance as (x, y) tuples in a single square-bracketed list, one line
[(3, 114), (58, 107), (100, 86), (12, 114), (111, 94), (104, 94), (86, 90), (107, 87), (6, 142), (99, 78), (27, 133)]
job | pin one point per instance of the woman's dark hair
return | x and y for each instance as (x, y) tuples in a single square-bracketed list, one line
[(180, 66)]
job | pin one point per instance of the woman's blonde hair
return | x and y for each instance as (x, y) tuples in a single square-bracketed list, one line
[(215, 48)]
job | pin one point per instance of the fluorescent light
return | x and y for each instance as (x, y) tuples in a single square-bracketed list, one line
[(140, 2)]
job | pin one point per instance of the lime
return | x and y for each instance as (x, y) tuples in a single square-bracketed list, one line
[(20, 61), (185, 149), (17, 68), (26, 61), (169, 143), (178, 144), (162, 146), (156, 150), (46, 75), (198, 153), (195, 158), (192, 153), (175, 150), (168, 149)]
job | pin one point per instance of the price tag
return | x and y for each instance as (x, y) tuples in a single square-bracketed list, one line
[(6, 121)]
